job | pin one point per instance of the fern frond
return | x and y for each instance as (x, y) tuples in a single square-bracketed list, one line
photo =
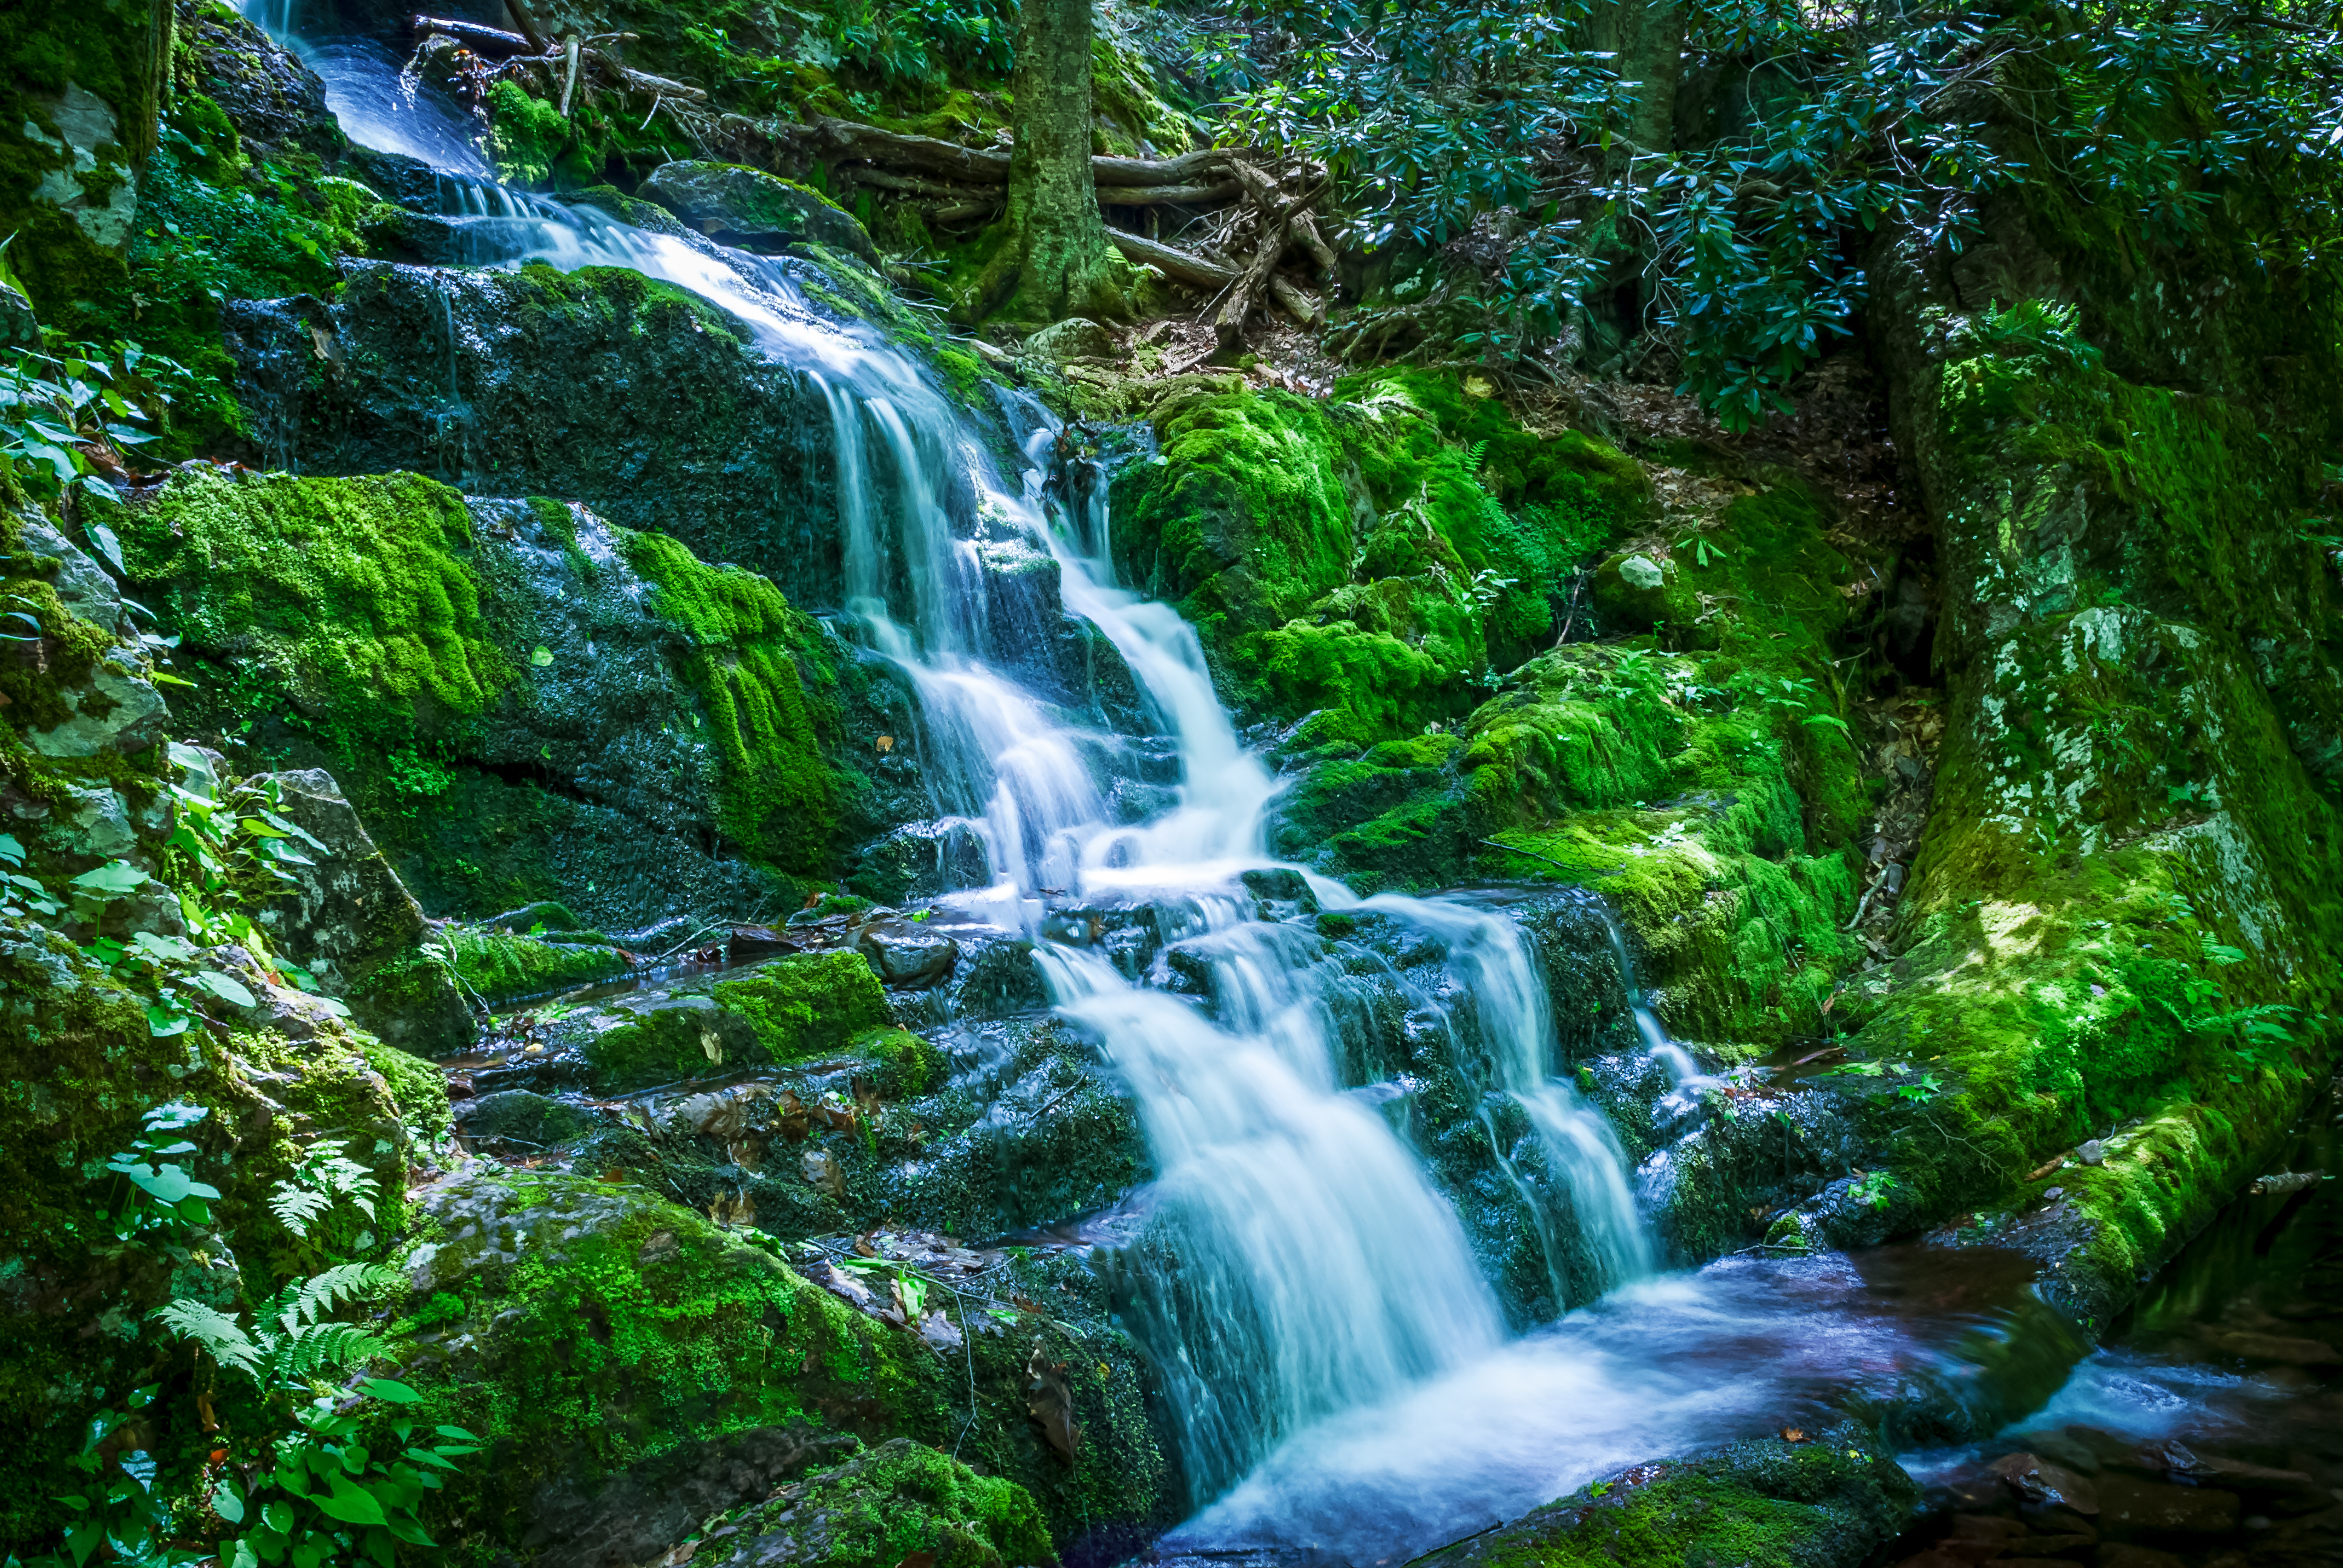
[(296, 1207), (321, 1293), (324, 1347), (215, 1333)]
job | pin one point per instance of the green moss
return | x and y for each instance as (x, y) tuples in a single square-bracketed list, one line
[(355, 596), (1764, 1504), (498, 966), (419, 1089), (898, 1501), (527, 135), (1366, 558), (758, 665), (628, 1327), (807, 1003)]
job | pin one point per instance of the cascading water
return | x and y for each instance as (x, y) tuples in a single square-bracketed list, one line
[(1304, 1263)]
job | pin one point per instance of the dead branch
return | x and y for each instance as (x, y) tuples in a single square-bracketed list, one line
[(843, 139), (1179, 266), (1321, 254), (1167, 195), (475, 35)]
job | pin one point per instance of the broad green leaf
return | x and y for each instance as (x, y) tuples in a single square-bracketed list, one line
[(351, 1504), (228, 987), (391, 1390), (227, 1502), (114, 879)]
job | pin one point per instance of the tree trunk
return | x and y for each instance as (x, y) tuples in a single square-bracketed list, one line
[(1057, 242), (1646, 37)]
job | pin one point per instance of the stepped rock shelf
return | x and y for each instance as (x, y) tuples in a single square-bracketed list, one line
[(660, 909)]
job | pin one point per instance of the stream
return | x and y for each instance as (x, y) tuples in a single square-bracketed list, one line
[(1340, 1376)]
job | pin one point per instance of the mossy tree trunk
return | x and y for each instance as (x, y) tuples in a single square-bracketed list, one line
[(1055, 261), (1646, 39)]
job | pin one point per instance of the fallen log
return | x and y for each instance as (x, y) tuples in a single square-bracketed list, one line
[(1181, 170), (845, 139), (1179, 266), (990, 166), (474, 35), (1229, 321), (1321, 254), (912, 185), (1168, 196)]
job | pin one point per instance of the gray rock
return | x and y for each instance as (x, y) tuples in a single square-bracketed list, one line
[(1076, 337), (350, 921), (83, 586), (907, 956), (735, 204), (114, 712), (19, 329), (2093, 1152)]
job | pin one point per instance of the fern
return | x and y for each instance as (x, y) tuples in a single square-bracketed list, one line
[(304, 1341), (215, 1333)]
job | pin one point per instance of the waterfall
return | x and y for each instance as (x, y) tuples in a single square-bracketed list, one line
[(1298, 1260)]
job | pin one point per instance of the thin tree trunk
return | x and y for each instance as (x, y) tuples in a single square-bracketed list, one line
[(1646, 36), (1064, 266)]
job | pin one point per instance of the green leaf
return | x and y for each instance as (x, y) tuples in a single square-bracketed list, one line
[(391, 1390), (227, 1503), (114, 879), (351, 1504), (11, 851), (541, 656), (163, 1022), (228, 987)]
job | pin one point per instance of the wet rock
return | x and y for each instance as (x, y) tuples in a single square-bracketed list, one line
[(996, 978), (19, 327), (2134, 1507), (277, 102), (396, 178), (921, 860), (2038, 1481), (1825, 1504), (753, 210), (1286, 891), (2093, 1152), (650, 1507), (906, 955), (518, 1121), (349, 920)]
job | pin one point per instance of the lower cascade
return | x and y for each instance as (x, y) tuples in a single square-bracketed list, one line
[(1050, 832)]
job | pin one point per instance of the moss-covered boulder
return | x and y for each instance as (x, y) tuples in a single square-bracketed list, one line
[(2124, 915), (1365, 557), (898, 1501), (1829, 1502), (522, 701), (739, 206), (600, 1334), (79, 101), (797, 1006)]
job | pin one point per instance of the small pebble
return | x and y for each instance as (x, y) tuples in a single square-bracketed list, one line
[(2053, 1195)]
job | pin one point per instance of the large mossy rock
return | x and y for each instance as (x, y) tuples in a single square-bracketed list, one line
[(522, 701), (1831, 1502), (736, 205), (2127, 907), (1364, 557), (603, 1338), (899, 1503)]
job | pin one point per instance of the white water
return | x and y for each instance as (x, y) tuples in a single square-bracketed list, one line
[(1308, 1268)]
